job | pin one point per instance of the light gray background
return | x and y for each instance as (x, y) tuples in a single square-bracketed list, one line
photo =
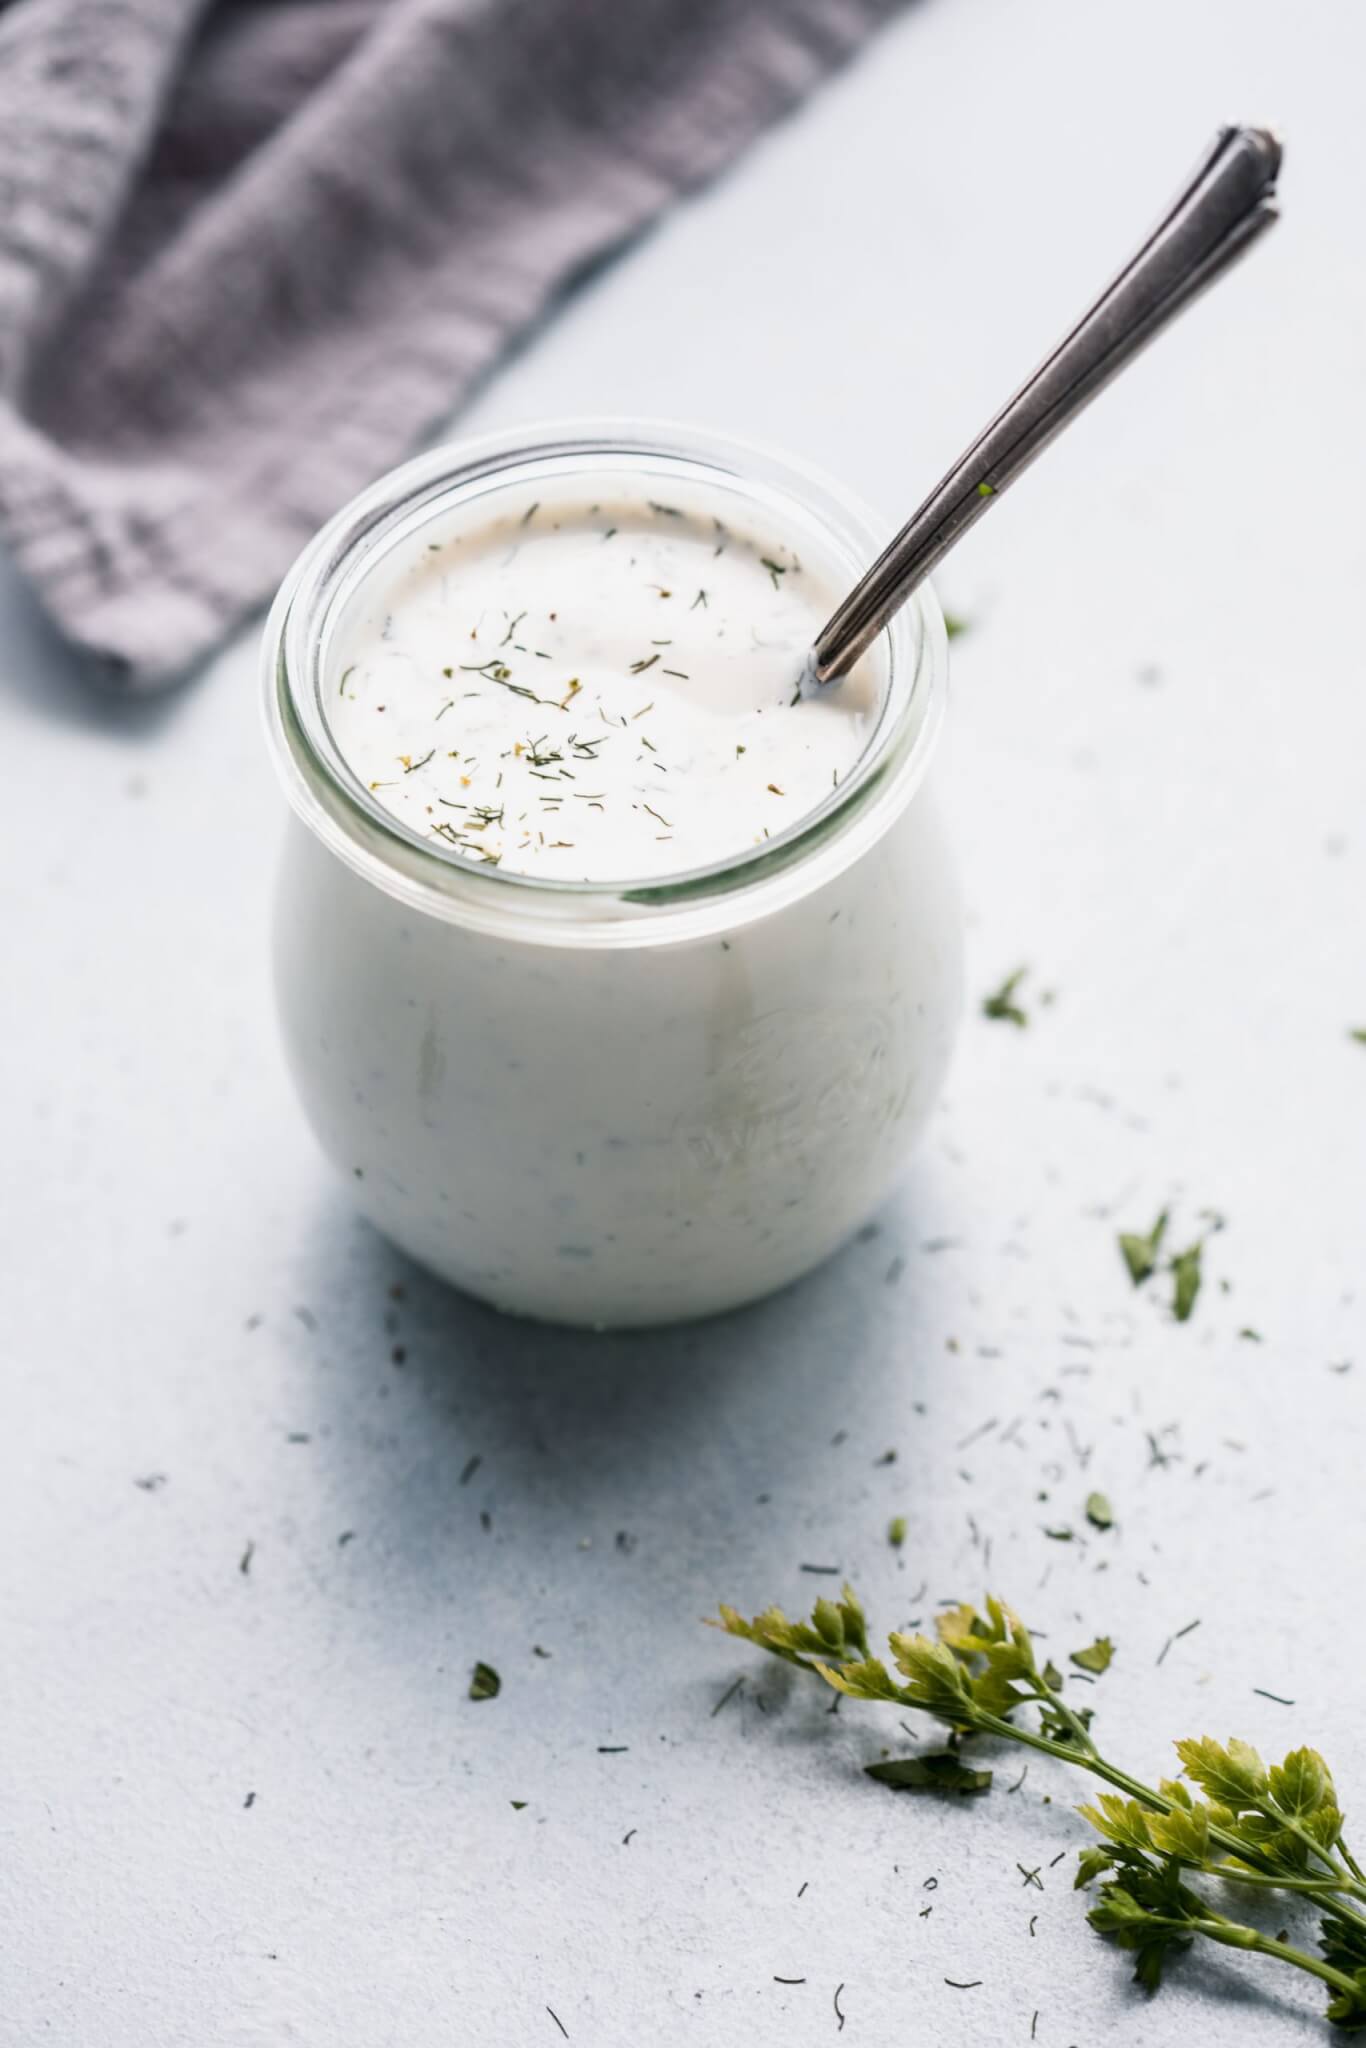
[(1157, 767)]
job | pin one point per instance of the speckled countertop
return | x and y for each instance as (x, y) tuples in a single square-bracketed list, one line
[(267, 1492)]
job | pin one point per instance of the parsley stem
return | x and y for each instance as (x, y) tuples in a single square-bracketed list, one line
[(1314, 1886), (1080, 1732), (1232, 1934), (1201, 1917)]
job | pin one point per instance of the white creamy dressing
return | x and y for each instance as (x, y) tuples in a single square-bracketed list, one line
[(596, 688)]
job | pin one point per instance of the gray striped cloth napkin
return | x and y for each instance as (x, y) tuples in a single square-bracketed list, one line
[(250, 251)]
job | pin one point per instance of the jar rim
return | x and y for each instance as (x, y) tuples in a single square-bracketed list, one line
[(331, 801)]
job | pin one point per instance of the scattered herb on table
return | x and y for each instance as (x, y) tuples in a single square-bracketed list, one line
[(954, 625), (1099, 1513), (896, 1531), (1002, 1007), (1142, 1256), (1186, 1276), (1274, 1831), (1140, 1253), (485, 1684)]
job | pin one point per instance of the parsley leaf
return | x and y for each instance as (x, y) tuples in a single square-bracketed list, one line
[(939, 1771)]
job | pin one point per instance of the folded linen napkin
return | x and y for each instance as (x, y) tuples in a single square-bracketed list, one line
[(250, 250)]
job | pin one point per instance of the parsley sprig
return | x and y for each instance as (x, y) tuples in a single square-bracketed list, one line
[(1270, 1829)]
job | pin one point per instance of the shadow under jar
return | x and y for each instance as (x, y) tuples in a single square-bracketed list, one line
[(624, 1101)]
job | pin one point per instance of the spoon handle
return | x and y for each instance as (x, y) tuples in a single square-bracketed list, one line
[(1222, 210)]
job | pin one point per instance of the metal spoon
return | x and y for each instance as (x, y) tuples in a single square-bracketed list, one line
[(1217, 216)]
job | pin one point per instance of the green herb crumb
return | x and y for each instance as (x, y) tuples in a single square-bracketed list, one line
[(485, 1684), (1001, 1007), (1186, 1276), (1140, 1253)]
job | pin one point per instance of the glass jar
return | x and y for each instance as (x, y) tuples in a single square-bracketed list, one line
[(595, 1103)]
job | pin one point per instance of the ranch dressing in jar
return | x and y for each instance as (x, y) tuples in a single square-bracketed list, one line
[(616, 977), (597, 691)]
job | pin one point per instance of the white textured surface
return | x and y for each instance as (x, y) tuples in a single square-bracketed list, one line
[(1183, 860)]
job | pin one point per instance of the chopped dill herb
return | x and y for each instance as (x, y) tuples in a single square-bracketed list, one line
[(485, 1684), (775, 570), (639, 667)]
